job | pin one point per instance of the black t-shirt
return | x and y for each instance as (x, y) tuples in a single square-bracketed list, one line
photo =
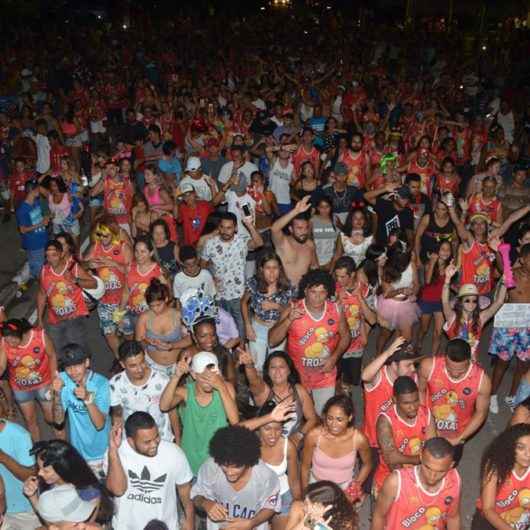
[(390, 219)]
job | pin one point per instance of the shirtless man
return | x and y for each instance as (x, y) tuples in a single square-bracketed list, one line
[(296, 250), (507, 342)]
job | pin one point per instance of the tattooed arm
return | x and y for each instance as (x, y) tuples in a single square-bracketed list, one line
[(392, 457)]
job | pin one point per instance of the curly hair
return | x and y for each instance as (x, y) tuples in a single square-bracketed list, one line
[(499, 457), (328, 493), (235, 446), (314, 278)]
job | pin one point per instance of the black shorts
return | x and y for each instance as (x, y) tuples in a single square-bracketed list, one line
[(350, 370), (367, 486)]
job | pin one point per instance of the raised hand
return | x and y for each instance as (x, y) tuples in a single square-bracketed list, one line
[(450, 271)]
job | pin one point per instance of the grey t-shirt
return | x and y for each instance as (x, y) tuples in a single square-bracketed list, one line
[(325, 237), (262, 491)]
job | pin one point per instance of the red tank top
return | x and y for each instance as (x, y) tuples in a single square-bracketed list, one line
[(301, 156), (447, 184), (27, 364), (376, 400), (476, 266), (425, 172), (356, 168), (113, 278), (138, 284), (414, 508), (464, 330), (351, 307), (478, 205), (64, 297), (452, 402), (118, 198), (310, 342), (408, 438), (512, 501)]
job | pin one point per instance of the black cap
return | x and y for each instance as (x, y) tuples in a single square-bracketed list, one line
[(340, 168), (73, 354), (406, 352), (404, 192)]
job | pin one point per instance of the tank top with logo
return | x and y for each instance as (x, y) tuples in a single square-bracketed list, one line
[(118, 198), (408, 438), (476, 266), (65, 298), (415, 508), (311, 341), (138, 283), (27, 364), (451, 401), (113, 278)]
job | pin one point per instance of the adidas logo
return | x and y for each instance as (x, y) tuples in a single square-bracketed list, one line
[(144, 483)]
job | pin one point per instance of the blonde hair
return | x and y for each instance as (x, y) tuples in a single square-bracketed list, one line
[(102, 228)]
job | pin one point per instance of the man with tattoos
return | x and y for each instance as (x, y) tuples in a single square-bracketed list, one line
[(85, 396), (401, 430)]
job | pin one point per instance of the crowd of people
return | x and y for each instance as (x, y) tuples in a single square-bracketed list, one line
[(243, 217)]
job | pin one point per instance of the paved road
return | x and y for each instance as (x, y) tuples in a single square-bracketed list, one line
[(469, 467)]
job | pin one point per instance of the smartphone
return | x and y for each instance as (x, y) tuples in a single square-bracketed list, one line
[(246, 210)]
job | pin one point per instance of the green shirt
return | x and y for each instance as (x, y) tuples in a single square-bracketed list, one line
[(199, 424)]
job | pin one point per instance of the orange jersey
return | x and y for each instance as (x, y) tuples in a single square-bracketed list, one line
[(64, 297), (138, 284), (301, 155), (425, 172), (408, 438), (310, 342), (351, 307), (357, 167), (27, 364), (512, 501), (414, 508), (451, 401), (118, 198), (477, 204), (113, 278), (376, 400), (466, 331), (476, 266)]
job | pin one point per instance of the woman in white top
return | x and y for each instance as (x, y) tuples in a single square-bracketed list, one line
[(278, 453), (357, 235)]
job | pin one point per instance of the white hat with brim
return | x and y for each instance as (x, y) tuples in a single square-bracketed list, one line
[(63, 504), (203, 360)]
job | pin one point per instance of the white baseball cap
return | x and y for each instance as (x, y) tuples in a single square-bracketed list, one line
[(63, 504), (193, 164), (203, 360)]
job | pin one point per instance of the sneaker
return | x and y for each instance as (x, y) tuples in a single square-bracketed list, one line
[(494, 404)]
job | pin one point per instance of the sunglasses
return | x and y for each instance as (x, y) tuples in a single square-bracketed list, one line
[(469, 301)]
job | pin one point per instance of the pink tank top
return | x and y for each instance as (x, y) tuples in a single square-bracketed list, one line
[(338, 470), (153, 197)]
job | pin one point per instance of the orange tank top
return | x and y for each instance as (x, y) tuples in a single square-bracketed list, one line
[(512, 501), (451, 401), (466, 331), (376, 400), (138, 284), (351, 307), (477, 205), (113, 278), (415, 508), (476, 266), (64, 297), (27, 364), (118, 198), (426, 173), (310, 342), (356, 168), (408, 438)]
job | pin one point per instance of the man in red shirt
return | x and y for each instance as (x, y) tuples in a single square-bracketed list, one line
[(17, 181), (57, 153), (192, 214)]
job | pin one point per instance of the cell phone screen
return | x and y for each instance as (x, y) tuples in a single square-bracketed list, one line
[(246, 210)]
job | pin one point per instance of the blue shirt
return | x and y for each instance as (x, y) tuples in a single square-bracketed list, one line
[(28, 215), (16, 442), (84, 436), (171, 166)]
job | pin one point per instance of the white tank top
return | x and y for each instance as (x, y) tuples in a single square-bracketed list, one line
[(280, 180), (405, 280), (281, 469)]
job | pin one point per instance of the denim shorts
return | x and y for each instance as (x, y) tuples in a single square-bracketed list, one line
[(127, 325), (106, 323), (287, 500), (41, 394)]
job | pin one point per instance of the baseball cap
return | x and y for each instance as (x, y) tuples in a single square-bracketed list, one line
[(193, 164), (340, 168), (468, 289), (203, 360), (406, 352), (63, 504), (186, 187), (73, 354), (404, 192)]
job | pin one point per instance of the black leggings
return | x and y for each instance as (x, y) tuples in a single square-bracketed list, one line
[(479, 522)]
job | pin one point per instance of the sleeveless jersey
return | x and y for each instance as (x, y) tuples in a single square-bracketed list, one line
[(414, 508), (138, 284), (478, 205), (27, 365), (301, 156), (452, 402), (445, 184), (376, 400), (117, 198), (408, 438), (113, 278), (356, 168), (64, 297), (351, 308), (465, 331), (476, 266), (512, 501), (310, 342), (425, 172)]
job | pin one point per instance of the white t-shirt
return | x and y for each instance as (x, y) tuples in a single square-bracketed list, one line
[(203, 281), (145, 398), (151, 486), (43, 153), (280, 181), (226, 171), (235, 205), (203, 191)]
